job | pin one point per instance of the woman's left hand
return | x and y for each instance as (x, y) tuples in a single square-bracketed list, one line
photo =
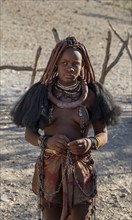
[(79, 146)]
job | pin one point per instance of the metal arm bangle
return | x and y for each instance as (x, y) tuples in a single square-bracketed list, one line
[(95, 144)]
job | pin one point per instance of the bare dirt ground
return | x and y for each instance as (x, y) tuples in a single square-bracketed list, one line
[(24, 26)]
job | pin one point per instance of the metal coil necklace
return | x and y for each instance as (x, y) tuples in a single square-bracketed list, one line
[(72, 104), (70, 95)]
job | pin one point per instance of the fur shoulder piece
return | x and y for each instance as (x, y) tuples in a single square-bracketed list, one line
[(32, 109), (105, 107)]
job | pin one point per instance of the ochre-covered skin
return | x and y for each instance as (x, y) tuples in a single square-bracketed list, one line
[(65, 104), (65, 133)]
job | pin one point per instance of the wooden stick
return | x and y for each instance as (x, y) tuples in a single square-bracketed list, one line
[(124, 45), (20, 68), (107, 56), (17, 68), (56, 35), (115, 32), (35, 65)]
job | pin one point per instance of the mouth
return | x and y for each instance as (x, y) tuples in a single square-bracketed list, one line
[(69, 76)]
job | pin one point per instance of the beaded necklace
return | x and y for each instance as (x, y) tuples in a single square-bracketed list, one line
[(67, 88)]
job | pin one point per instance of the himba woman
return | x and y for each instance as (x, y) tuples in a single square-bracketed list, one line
[(65, 104)]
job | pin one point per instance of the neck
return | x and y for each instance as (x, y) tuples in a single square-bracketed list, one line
[(72, 104)]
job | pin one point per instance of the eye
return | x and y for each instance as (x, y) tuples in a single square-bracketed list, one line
[(76, 64), (64, 63)]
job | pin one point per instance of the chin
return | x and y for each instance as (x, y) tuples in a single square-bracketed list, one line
[(69, 81)]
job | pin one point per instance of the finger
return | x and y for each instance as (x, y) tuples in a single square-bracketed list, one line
[(58, 149), (63, 137), (62, 143), (75, 142), (78, 149), (74, 147), (76, 152), (72, 143)]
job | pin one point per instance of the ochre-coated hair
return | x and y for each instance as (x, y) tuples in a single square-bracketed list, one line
[(51, 68)]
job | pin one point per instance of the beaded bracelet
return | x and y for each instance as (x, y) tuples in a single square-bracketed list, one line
[(42, 141)]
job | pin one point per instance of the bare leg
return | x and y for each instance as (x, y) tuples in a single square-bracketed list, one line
[(53, 213), (80, 212)]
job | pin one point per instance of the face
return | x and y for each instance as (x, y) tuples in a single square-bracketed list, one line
[(69, 66)]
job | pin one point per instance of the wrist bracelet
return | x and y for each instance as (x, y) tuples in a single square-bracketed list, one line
[(42, 141), (94, 143)]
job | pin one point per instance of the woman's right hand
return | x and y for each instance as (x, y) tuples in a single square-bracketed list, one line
[(58, 143)]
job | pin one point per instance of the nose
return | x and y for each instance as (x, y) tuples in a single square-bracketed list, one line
[(70, 69)]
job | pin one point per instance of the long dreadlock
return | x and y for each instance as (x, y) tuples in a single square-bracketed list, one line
[(51, 68)]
